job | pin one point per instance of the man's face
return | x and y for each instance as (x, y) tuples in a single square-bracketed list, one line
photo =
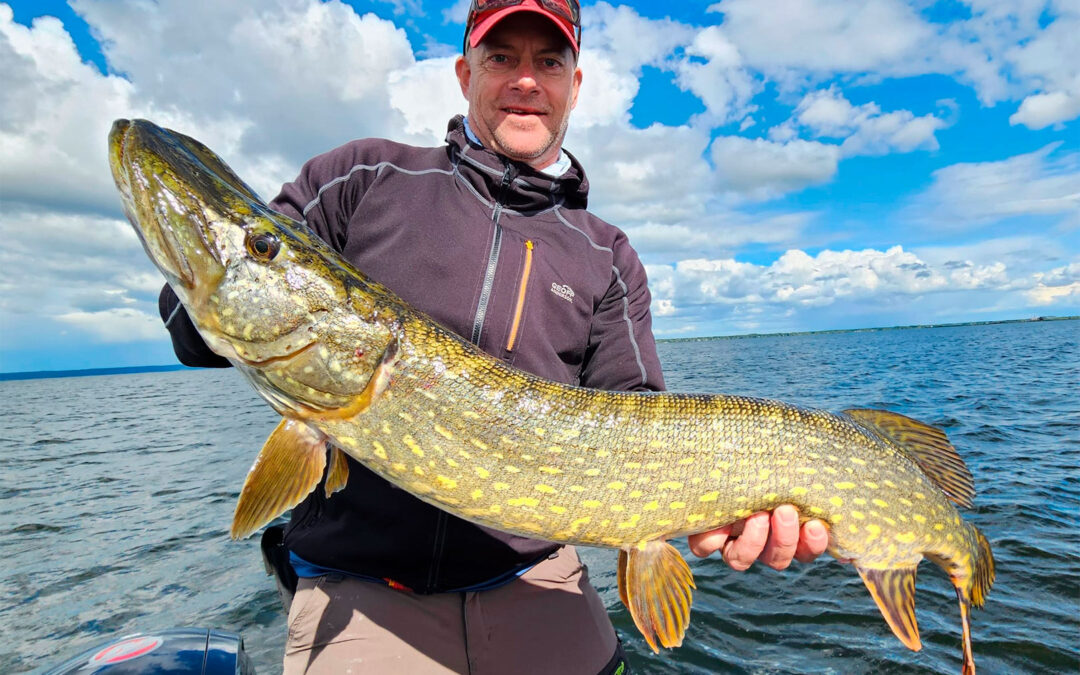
[(521, 82)]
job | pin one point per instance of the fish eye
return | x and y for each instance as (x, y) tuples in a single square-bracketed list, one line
[(263, 246)]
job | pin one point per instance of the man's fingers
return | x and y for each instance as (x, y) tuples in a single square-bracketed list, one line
[(742, 551), (783, 539), (706, 543), (813, 541)]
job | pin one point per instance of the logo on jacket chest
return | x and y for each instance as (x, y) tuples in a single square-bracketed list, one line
[(563, 291)]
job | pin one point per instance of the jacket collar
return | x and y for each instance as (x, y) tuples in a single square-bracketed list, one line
[(517, 186)]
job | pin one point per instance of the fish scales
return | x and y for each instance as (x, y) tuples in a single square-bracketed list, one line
[(633, 465), (341, 358)]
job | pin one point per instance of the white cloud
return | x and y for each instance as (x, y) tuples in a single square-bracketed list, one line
[(714, 72), (1040, 183), (864, 128), (117, 325), (762, 169)]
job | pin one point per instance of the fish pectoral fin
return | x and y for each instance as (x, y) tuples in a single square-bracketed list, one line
[(338, 473), (286, 470), (893, 589), (655, 584), (925, 445)]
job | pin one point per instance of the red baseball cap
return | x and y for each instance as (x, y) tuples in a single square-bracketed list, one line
[(486, 14)]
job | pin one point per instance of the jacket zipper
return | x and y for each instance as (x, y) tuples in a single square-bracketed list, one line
[(493, 258), (522, 287)]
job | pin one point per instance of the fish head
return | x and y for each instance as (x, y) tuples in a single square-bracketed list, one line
[(263, 290)]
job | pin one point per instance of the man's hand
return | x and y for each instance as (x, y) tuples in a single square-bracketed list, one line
[(774, 539)]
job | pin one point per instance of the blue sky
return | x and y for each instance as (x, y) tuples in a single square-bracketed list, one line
[(779, 165)]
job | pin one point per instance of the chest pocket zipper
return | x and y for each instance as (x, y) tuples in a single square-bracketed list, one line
[(519, 306)]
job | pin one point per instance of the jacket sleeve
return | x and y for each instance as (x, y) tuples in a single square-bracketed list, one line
[(621, 354), (189, 346)]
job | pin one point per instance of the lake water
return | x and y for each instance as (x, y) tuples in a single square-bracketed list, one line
[(116, 493)]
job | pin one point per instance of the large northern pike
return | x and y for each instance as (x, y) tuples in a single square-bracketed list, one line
[(343, 359)]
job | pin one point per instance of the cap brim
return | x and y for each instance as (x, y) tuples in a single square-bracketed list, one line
[(485, 25)]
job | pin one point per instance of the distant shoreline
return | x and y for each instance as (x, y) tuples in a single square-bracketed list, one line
[(869, 330), (128, 370)]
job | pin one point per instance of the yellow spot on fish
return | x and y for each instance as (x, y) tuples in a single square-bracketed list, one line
[(398, 467), (695, 517), (635, 493), (557, 509), (818, 486), (476, 494), (591, 503), (853, 529), (874, 531), (444, 432), (618, 507), (677, 505), (798, 491), (632, 465), (379, 450), (919, 518), (616, 485), (716, 473), (412, 444), (882, 504), (407, 417), (816, 510), (687, 460), (555, 449), (523, 501), (665, 522), (512, 469), (482, 472), (858, 514), (479, 444), (860, 462), (603, 452), (418, 471), (671, 485), (742, 513), (836, 501), (920, 495), (577, 488), (592, 472), (539, 431), (550, 470), (501, 486), (905, 537), (844, 485), (546, 489), (764, 474), (709, 497), (836, 518), (579, 522), (889, 484), (448, 483), (870, 484), (653, 466), (651, 506)]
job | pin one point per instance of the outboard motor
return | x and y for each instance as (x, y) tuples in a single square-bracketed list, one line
[(174, 651)]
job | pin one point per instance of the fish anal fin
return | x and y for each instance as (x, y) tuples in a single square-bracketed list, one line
[(925, 445), (287, 469), (338, 473), (655, 584), (893, 589)]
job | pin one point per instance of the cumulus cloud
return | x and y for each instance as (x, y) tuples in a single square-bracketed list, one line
[(865, 129), (763, 169)]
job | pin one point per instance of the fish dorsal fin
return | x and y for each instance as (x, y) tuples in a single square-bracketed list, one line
[(655, 584), (925, 445), (286, 470), (893, 589)]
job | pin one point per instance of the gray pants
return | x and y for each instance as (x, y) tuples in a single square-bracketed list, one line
[(550, 620)]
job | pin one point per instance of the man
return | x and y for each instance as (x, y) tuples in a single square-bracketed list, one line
[(489, 235)]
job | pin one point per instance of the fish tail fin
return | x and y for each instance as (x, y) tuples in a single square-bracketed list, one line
[(971, 571)]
